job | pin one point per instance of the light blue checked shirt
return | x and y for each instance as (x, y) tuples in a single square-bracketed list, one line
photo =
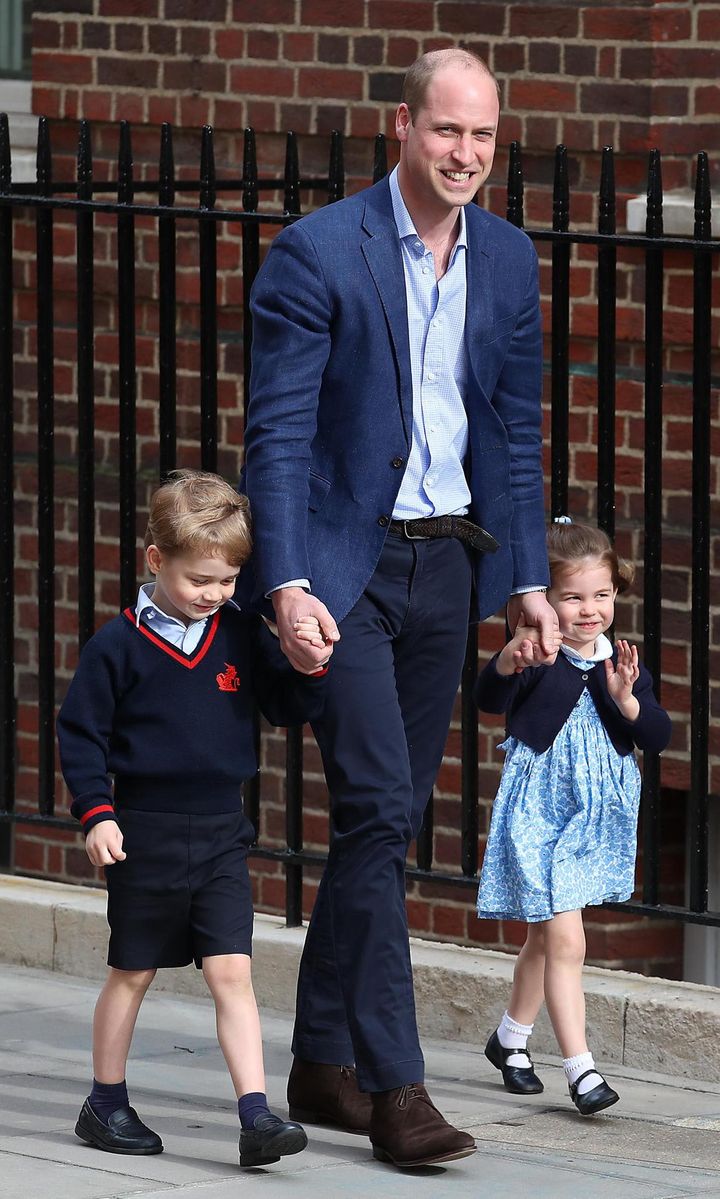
[(182, 636), (434, 481)]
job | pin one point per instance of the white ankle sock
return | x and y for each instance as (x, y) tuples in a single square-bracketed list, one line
[(513, 1035), (575, 1066)]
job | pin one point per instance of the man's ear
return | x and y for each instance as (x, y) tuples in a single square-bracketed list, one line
[(154, 558), (402, 121)]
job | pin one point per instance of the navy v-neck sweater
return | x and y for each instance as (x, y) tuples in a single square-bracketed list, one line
[(174, 729)]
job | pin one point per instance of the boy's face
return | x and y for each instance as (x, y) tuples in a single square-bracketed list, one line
[(190, 588)]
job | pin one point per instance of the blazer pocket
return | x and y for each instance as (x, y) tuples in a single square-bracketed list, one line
[(318, 490), (503, 328)]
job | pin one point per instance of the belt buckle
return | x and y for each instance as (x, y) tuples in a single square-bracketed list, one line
[(411, 536)]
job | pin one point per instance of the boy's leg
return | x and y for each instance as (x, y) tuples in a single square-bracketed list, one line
[(106, 1120), (265, 1138)]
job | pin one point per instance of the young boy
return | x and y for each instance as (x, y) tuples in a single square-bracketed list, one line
[(163, 700)]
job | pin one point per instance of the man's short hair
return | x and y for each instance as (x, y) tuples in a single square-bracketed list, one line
[(420, 74), (197, 514)]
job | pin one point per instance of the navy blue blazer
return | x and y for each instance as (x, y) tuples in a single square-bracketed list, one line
[(330, 412), (539, 701)]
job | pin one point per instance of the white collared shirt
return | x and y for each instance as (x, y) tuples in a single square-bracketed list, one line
[(182, 636)]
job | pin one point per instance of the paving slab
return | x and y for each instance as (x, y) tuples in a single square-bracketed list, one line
[(660, 1142)]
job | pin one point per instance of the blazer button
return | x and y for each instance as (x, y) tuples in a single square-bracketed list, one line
[(383, 521), (397, 463)]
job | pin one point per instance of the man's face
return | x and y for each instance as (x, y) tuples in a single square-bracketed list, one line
[(447, 150)]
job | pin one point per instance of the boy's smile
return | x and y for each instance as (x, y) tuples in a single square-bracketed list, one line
[(190, 588)]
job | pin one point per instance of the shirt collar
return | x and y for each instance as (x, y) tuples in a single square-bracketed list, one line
[(603, 649), (404, 222), (147, 607)]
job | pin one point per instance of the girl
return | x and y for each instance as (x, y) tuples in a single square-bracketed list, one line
[(563, 829)]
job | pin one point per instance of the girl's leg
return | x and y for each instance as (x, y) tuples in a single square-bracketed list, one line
[(528, 989), (238, 1024), (565, 955), (114, 1023)]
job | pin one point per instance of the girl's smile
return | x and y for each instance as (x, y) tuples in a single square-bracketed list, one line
[(584, 600)]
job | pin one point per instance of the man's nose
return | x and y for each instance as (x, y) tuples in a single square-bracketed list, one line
[(464, 149)]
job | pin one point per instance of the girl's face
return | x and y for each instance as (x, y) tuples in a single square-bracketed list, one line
[(584, 599)]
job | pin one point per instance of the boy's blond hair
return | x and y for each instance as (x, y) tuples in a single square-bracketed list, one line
[(197, 514)]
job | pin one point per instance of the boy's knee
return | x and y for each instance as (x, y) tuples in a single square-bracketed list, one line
[(133, 980), (228, 971)]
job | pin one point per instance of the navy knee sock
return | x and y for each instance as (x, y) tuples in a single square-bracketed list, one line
[(251, 1106), (106, 1097)]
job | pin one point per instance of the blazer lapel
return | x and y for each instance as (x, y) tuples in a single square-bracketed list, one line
[(479, 313), (382, 253)]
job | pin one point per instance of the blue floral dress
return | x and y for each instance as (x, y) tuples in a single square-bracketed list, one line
[(564, 822)]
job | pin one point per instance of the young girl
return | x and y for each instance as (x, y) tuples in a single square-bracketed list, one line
[(563, 831)]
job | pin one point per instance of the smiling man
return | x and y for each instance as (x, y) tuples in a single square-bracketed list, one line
[(394, 472)]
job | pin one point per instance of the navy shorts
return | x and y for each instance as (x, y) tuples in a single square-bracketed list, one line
[(183, 892)]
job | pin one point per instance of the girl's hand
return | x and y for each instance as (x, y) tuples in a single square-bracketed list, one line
[(621, 678), (526, 649)]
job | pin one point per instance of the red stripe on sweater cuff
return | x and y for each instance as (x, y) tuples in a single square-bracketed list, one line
[(105, 807)]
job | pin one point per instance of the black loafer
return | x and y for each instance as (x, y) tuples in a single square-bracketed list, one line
[(594, 1101), (123, 1133), (269, 1139), (519, 1080)]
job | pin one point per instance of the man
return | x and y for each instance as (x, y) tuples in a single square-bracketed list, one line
[(396, 379)]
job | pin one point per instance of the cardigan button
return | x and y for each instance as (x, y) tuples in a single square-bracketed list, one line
[(584, 677)]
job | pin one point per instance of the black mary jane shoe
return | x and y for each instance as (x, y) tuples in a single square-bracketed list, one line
[(269, 1139), (519, 1080), (123, 1133), (594, 1101)]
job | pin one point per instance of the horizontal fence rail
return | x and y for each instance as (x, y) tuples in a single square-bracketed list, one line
[(84, 202)]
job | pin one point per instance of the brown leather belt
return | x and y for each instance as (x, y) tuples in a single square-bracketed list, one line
[(430, 527)]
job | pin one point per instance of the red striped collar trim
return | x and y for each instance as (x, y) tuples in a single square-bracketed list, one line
[(190, 661)]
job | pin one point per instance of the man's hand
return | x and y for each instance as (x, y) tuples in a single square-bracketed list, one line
[(103, 844), (525, 650), (292, 605), (539, 614)]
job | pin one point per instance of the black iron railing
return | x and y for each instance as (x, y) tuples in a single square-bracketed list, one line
[(85, 200)]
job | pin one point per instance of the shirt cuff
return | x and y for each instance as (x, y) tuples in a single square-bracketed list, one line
[(527, 590), (304, 583)]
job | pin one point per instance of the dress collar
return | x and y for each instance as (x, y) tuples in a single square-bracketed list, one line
[(603, 649)]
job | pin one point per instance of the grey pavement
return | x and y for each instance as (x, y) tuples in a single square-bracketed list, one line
[(662, 1141)]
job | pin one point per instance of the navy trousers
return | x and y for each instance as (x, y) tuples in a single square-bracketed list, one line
[(391, 687)]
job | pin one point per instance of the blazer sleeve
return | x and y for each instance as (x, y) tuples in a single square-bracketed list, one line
[(651, 731), (291, 345), (517, 401)]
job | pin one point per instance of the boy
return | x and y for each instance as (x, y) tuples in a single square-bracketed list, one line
[(163, 700)]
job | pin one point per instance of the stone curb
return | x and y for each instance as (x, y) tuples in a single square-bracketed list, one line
[(644, 1023)]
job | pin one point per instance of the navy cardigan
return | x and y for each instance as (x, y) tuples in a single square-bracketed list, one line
[(539, 701)]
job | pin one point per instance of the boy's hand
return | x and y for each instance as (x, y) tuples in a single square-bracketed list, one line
[(103, 844), (307, 628), (293, 604), (527, 649), (620, 679)]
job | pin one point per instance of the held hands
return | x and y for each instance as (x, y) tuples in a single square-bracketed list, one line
[(306, 629), (103, 844), (620, 679), (526, 649), (540, 617)]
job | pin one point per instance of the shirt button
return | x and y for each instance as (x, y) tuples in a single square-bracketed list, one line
[(432, 376), (383, 521), (397, 463)]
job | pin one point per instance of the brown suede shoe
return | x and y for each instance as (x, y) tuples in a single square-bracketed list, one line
[(321, 1094), (408, 1130)]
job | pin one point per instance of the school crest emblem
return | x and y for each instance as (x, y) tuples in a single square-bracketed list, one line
[(229, 680)]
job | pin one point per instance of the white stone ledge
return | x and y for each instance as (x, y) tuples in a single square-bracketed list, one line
[(678, 213), (647, 1023)]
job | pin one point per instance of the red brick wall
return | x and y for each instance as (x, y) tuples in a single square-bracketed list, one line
[(631, 75)]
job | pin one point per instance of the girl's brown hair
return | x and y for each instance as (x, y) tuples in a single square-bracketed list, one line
[(198, 514), (568, 545)]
